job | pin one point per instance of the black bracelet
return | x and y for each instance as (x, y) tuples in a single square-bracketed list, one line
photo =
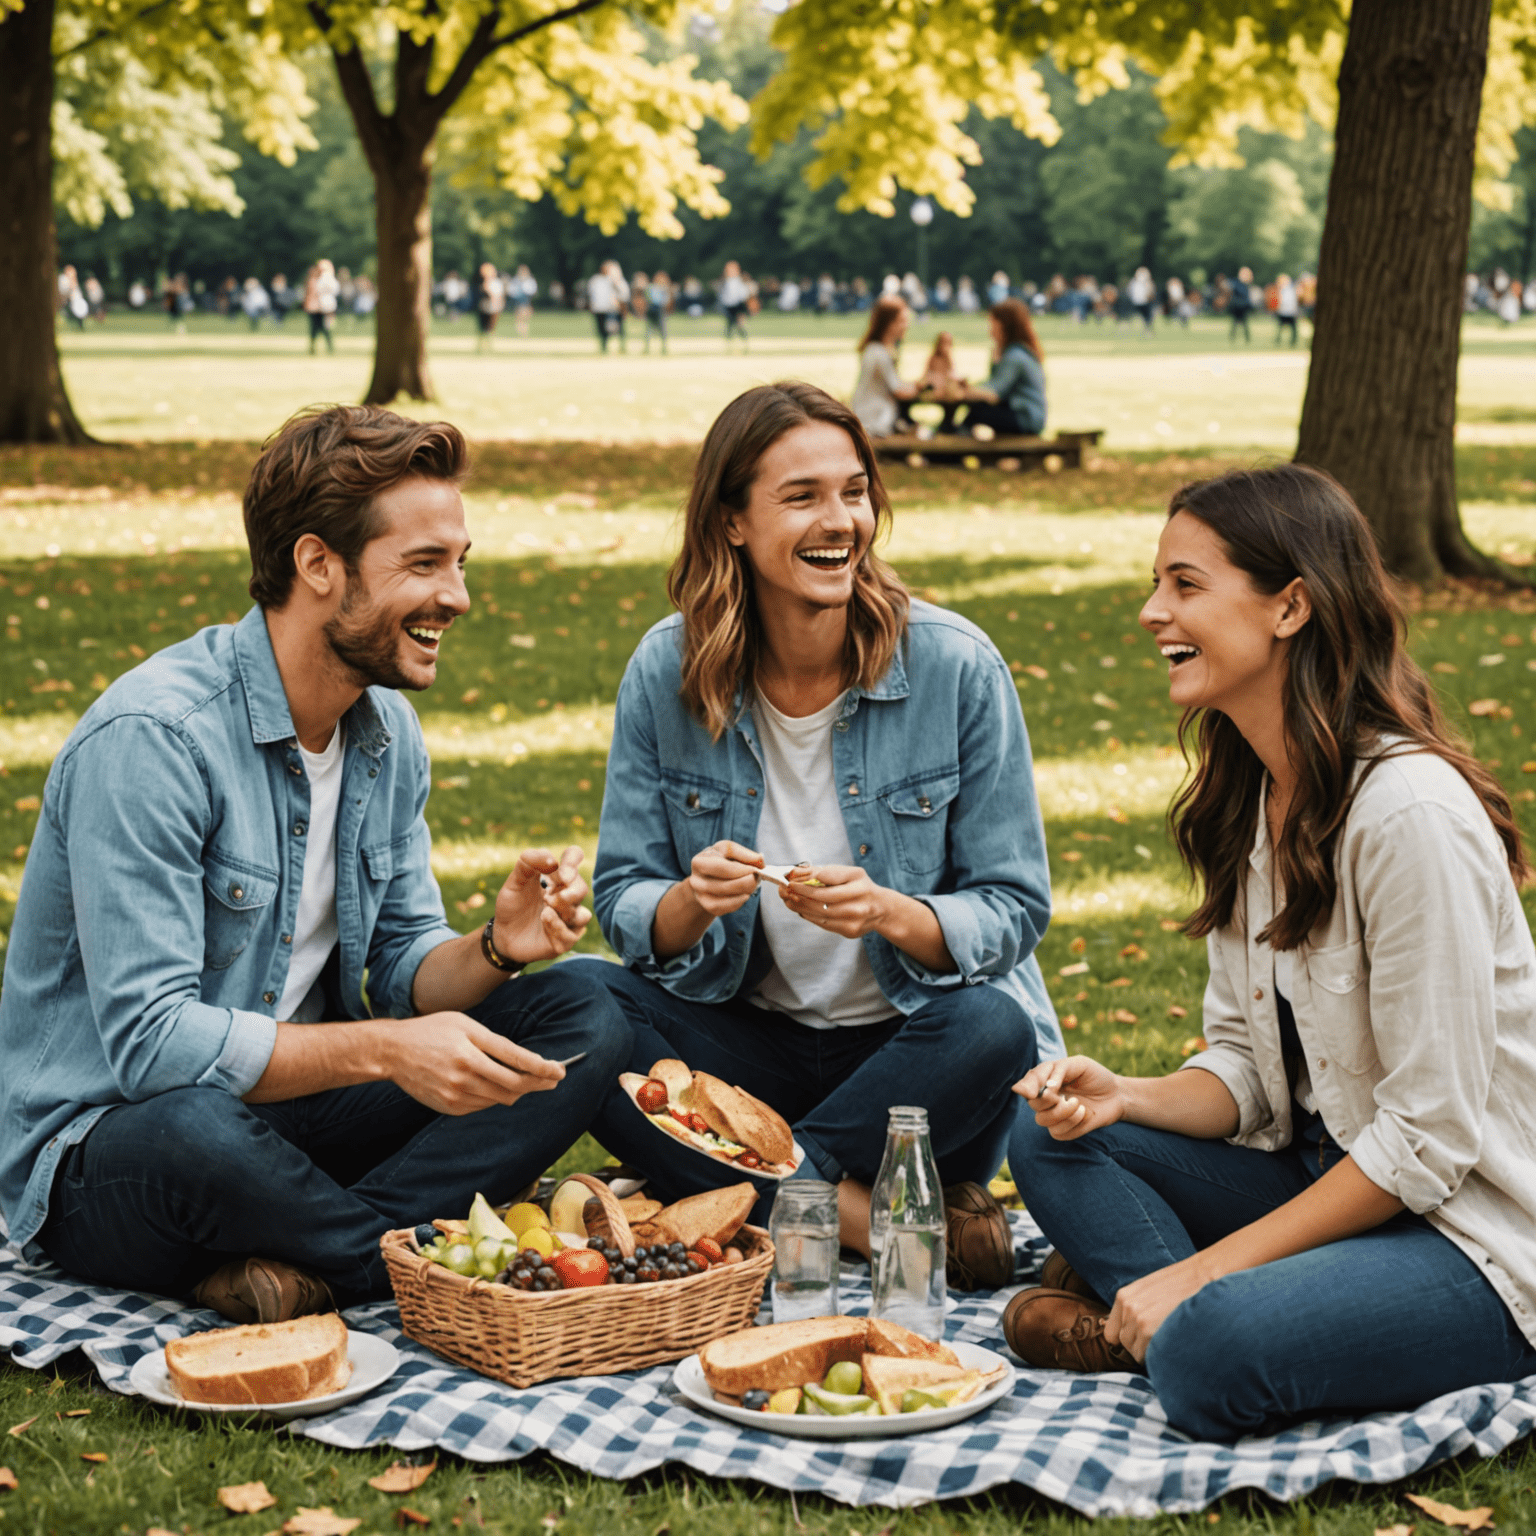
[(493, 956)]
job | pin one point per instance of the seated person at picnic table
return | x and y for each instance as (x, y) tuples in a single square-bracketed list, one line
[(939, 377), (1012, 401), (880, 398), (801, 705), (231, 846), (1333, 1208)]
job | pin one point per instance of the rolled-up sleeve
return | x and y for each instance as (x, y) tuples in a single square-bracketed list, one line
[(1431, 888), (998, 902), (1228, 1052), (136, 881)]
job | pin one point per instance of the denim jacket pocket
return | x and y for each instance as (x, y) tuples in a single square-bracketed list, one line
[(1340, 976), (919, 812), (235, 893), (695, 812)]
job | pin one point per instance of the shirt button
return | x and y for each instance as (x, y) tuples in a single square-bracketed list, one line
[(863, 849), (752, 794), (842, 725), (1322, 1063), (298, 829), (1258, 992), (287, 938), (853, 789), (269, 997), (373, 773), (924, 804), (293, 768), (693, 801), (236, 893)]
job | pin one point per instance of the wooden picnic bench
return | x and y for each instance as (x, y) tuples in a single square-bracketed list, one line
[(946, 448)]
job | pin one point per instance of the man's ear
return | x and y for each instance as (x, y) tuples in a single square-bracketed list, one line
[(321, 570), (1297, 610)]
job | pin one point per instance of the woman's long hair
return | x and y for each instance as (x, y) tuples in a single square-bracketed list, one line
[(710, 582), (883, 314), (1018, 328), (1349, 683)]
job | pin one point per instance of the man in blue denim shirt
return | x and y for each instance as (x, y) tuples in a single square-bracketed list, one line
[(231, 849)]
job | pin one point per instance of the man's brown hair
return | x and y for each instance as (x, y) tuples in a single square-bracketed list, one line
[(320, 474)]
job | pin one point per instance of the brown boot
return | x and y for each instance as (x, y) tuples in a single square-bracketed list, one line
[(1057, 1275), (1062, 1332), (262, 1291), (979, 1241)]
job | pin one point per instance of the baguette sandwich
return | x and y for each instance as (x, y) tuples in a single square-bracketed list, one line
[(262, 1363), (791, 1354), (714, 1118)]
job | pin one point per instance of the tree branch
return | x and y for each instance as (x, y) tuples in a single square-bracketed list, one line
[(356, 88)]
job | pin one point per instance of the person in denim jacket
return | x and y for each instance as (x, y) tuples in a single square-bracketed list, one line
[(232, 849), (802, 706)]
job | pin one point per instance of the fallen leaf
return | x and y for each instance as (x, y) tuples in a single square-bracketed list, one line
[(8, 1483), (1067, 970), (1037, 672), (26, 1424), (1133, 952), (160, 1530), (1119, 981), (1394, 1530), (1448, 1514), (1168, 925), (1478, 707), (1444, 667), (319, 1522), (28, 803), (1071, 856), (405, 1516), (1079, 945), (402, 1477), (246, 1498), (1178, 1011), (78, 1413), (1122, 1016), (97, 1456)]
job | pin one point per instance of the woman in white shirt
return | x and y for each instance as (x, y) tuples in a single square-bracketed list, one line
[(880, 398), (1335, 1211)]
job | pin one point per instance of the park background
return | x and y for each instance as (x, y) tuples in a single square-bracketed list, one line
[(109, 552)]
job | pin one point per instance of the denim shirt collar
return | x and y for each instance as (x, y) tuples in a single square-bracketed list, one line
[(267, 700)]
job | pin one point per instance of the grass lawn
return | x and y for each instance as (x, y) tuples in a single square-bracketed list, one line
[(119, 552)]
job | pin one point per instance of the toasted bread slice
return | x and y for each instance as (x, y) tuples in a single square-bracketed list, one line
[(888, 1338), (717, 1213), (736, 1115), (780, 1354), (886, 1377), (677, 1077), (263, 1363)]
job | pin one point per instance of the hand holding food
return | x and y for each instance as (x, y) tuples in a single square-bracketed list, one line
[(1072, 1097), (723, 878), (539, 911), (456, 1066), (839, 898), (711, 1116)]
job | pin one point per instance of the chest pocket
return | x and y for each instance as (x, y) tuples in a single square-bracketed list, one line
[(696, 814), (1340, 978), (919, 813), (235, 894)]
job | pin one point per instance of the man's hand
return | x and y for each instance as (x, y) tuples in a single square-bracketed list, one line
[(847, 902), (723, 878), (539, 911), (455, 1066), (1072, 1097)]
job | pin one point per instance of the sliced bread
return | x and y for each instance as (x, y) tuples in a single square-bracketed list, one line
[(887, 1338), (716, 1213), (263, 1362), (780, 1354), (736, 1115)]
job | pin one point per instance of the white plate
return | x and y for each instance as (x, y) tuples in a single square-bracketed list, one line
[(374, 1361), (688, 1378)]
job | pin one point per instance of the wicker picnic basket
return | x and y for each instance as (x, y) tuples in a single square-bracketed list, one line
[(525, 1337)]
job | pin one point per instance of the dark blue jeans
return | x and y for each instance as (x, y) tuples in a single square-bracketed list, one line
[(957, 1057), (1386, 1320), (162, 1192)]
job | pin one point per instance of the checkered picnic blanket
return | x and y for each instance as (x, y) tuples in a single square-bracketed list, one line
[(1097, 1443)]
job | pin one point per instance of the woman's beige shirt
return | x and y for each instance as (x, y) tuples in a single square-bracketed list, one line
[(1415, 1001)]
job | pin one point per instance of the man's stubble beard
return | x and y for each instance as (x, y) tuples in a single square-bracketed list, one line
[(367, 645)]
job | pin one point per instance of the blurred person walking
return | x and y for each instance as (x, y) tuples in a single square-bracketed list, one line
[(1178, 301), (520, 295), (1142, 293), (1240, 304), (255, 302), (733, 304), (658, 301), (320, 290), (1286, 308), (490, 300), (283, 298), (606, 304)]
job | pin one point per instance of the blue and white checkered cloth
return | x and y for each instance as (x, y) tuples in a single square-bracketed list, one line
[(1099, 1444)]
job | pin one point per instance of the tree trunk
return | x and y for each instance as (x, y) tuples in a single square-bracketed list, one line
[(34, 407), (1380, 409), (403, 205)]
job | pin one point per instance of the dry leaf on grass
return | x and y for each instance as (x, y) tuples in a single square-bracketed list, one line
[(402, 1477), (160, 1530), (97, 1456), (1394, 1530), (246, 1498), (8, 1483), (406, 1516), (26, 1424), (1448, 1514), (323, 1521), (78, 1413)]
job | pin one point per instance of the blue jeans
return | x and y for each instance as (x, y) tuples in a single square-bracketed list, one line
[(957, 1057), (162, 1192), (1386, 1320)]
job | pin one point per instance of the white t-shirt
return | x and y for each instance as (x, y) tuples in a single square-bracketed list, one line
[(818, 978), (874, 396), (314, 930)]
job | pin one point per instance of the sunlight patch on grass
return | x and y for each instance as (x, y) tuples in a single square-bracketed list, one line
[(586, 729), (33, 741), (484, 858), (48, 521), (1099, 895), (1141, 782)]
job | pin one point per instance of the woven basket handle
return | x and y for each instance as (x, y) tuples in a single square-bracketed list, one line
[(618, 1223)]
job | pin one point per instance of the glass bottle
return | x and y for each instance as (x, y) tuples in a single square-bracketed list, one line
[(804, 1230), (906, 1228)]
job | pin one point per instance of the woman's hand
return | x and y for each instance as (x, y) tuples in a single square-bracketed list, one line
[(539, 911), (1073, 1096), (1142, 1306), (847, 902), (723, 878)]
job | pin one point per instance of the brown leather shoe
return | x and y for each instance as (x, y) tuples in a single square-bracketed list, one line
[(1062, 1332), (262, 1291), (1057, 1275), (979, 1241)]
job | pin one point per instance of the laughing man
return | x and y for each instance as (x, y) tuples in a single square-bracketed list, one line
[(238, 1039)]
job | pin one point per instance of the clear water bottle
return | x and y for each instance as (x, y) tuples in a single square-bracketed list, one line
[(906, 1228), (804, 1230)]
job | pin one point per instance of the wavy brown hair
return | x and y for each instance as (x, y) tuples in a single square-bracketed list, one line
[(883, 314), (710, 582), (1018, 328), (1349, 683)]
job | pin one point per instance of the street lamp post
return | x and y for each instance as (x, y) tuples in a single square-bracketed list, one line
[(922, 216)]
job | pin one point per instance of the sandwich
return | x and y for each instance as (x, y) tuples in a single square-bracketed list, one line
[(782, 1355), (716, 1214), (708, 1114), (262, 1363), (888, 1379)]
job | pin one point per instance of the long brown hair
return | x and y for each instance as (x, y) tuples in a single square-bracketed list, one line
[(1349, 683), (1018, 328), (710, 582), (882, 315)]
